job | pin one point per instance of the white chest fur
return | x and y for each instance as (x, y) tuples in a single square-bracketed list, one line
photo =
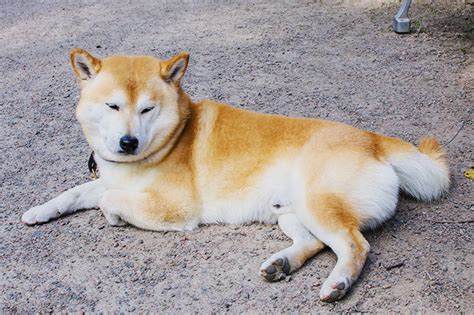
[(126, 176)]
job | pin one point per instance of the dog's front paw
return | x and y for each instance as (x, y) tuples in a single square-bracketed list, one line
[(113, 219), (39, 214), (106, 206)]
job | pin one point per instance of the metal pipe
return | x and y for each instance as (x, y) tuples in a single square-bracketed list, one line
[(401, 22)]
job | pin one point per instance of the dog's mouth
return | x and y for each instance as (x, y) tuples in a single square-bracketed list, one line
[(122, 156), (125, 153)]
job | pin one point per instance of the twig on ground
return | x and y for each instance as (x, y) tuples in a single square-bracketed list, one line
[(397, 265), (451, 222), (428, 275), (462, 126)]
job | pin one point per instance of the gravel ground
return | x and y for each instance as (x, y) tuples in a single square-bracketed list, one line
[(312, 59)]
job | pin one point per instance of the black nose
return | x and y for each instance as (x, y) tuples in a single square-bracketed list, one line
[(128, 144)]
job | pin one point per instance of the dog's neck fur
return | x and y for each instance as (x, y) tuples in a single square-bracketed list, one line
[(172, 141)]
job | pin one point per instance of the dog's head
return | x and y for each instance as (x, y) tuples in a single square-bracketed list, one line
[(130, 106)]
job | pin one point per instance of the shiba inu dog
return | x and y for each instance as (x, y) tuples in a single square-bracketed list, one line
[(168, 163)]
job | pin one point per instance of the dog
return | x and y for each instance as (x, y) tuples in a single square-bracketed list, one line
[(169, 164)]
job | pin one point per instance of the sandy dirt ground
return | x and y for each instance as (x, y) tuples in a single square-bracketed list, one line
[(311, 59)]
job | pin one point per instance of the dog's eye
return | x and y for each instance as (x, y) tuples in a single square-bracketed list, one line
[(146, 110), (113, 106)]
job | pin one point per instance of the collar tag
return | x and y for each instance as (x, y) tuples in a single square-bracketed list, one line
[(92, 165)]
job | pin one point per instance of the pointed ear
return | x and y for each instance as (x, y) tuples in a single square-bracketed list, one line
[(172, 70), (85, 66)]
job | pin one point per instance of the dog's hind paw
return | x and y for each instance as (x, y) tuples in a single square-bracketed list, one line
[(334, 290), (275, 269)]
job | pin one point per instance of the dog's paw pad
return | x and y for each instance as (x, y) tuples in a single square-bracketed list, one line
[(335, 291), (275, 270)]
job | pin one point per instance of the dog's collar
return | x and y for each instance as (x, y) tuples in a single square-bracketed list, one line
[(93, 167)]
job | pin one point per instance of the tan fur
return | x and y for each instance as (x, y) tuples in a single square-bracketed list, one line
[(309, 251), (334, 211)]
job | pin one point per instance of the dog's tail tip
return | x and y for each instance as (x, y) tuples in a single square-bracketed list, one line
[(431, 147), (423, 171)]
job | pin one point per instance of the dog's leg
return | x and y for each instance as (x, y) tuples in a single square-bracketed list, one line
[(145, 210), (85, 196), (305, 246), (334, 222), (351, 249)]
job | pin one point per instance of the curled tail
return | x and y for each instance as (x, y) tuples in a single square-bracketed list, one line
[(423, 171)]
